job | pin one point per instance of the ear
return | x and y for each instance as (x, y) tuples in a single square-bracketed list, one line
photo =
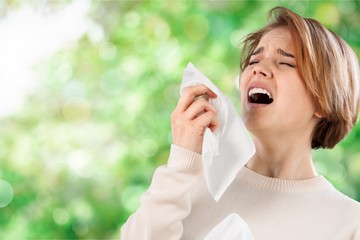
[(318, 115)]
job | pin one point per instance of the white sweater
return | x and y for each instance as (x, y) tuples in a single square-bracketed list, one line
[(178, 206)]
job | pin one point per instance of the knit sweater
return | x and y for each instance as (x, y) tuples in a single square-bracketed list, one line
[(178, 205)]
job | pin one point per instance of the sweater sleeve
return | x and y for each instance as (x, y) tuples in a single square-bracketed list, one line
[(167, 201)]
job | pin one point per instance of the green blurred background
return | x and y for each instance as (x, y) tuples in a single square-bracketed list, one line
[(87, 89)]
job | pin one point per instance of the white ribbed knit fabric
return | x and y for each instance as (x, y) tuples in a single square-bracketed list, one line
[(179, 206)]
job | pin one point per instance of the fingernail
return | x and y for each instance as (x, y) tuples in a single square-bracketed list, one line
[(205, 96)]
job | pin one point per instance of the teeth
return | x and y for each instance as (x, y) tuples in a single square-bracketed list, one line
[(259, 90)]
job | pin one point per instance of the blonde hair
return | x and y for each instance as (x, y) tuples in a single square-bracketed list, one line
[(327, 65)]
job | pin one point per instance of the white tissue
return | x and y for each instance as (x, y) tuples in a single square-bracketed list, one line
[(233, 227), (226, 150)]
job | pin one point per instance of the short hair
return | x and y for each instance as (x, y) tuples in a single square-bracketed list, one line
[(327, 65)]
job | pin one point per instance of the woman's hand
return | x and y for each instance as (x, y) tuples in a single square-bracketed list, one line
[(192, 115)]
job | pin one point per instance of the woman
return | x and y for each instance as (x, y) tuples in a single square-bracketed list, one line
[(299, 91)]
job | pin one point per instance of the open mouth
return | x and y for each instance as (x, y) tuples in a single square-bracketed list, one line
[(259, 96)]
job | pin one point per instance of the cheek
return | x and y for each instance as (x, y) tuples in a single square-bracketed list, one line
[(297, 96)]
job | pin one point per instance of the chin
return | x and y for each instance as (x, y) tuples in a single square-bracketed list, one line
[(257, 127)]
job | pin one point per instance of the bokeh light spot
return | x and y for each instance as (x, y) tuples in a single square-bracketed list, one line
[(82, 209), (73, 89), (61, 216), (111, 80), (95, 32), (76, 109), (162, 30), (143, 44), (337, 172), (171, 93), (63, 72), (354, 165), (132, 19), (149, 148), (134, 104), (236, 37), (169, 55), (80, 228), (107, 51), (80, 162), (196, 27), (347, 7), (321, 168), (6, 193), (132, 67), (130, 197), (328, 14)]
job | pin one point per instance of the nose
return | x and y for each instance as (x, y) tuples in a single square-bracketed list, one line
[(262, 70)]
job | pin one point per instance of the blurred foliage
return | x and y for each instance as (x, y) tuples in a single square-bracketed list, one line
[(85, 145)]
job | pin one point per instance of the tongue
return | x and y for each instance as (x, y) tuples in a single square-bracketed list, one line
[(260, 98)]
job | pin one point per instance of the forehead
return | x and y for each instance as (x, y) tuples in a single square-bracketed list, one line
[(278, 37)]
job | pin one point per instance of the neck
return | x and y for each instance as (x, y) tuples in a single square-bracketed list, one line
[(286, 159)]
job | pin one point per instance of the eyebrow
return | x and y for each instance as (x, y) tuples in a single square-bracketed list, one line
[(258, 51), (286, 54), (279, 51)]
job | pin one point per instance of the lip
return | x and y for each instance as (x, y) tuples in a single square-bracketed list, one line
[(256, 105)]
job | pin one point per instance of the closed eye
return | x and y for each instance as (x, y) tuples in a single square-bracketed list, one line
[(282, 63), (253, 62), (288, 64)]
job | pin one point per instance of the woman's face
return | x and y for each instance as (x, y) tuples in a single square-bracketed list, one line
[(274, 97)]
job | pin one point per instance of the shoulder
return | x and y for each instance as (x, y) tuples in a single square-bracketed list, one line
[(350, 215), (343, 211), (348, 207), (349, 203)]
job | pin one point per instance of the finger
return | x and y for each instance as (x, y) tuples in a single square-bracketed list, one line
[(204, 96), (190, 93), (208, 119), (198, 107)]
